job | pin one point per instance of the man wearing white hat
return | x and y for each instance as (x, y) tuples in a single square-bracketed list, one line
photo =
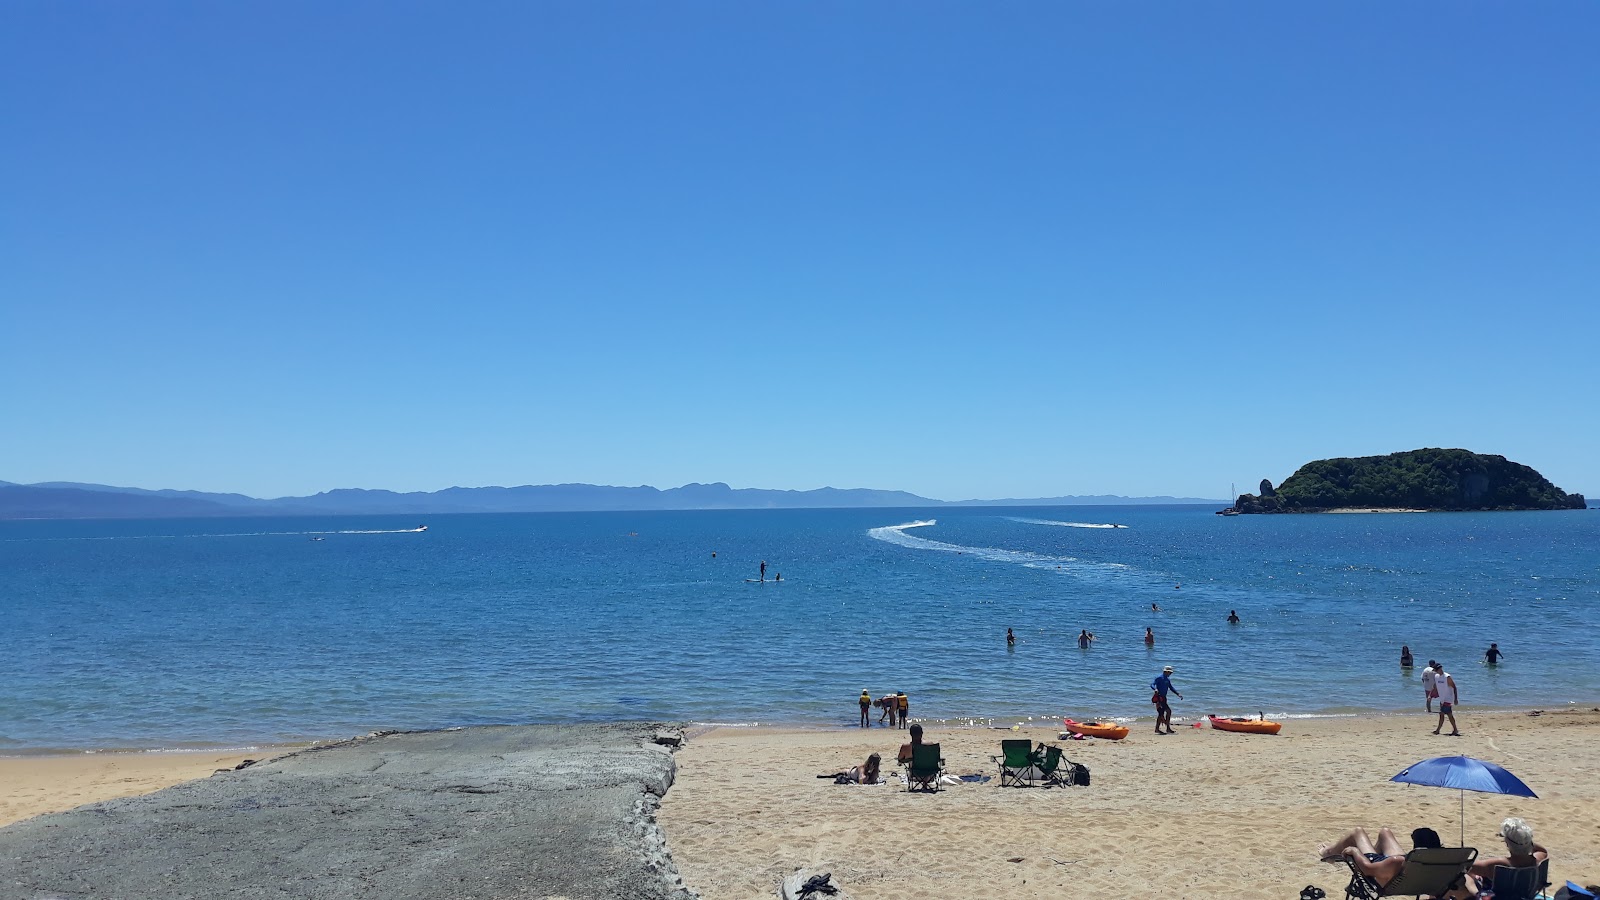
[(1159, 689)]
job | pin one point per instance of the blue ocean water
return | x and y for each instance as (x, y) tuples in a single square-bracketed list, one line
[(146, 634)]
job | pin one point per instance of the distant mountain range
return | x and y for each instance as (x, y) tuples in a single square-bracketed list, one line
[(70, 500)]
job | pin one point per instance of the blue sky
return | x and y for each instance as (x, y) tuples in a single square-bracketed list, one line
[(967, 250)]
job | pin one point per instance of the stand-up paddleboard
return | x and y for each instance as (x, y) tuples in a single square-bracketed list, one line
[(759, 581)]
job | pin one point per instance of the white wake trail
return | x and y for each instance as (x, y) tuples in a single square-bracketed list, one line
[(1064, 524), (896, 534)]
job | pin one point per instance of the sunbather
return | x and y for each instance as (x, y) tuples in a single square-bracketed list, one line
[(1380, 862), (867, 772)]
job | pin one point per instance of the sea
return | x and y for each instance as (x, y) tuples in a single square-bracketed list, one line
[(223, 633)]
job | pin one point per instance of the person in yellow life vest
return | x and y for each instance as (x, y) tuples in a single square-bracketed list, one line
[(903, 704), (866, 707)]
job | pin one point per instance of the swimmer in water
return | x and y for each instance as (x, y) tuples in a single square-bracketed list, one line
[(1083, 639), (1155, 608), (1233, 617), (1011, 639), (1149, 637)]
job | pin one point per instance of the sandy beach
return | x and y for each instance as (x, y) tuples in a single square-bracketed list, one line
[(33, 785), (1198, 814)]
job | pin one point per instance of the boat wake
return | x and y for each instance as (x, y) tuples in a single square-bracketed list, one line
[(1064, 524), (896, 534)]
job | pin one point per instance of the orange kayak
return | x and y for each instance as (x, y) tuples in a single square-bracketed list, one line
[(1248, 726), (1107, 730)]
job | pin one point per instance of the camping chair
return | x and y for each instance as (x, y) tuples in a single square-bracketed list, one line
[(1055, 768), (1428, 872), (1015, 760), (1524, 883), (925, 768)]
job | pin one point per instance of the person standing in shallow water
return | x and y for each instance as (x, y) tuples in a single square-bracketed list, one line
[(1233, 617), (1083, 639), (1011, 639), (1405, 657), (1149, 637), (866, 708), (1430, 684), (1492, 655)]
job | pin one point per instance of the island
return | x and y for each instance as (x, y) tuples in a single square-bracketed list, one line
[(1415, 480)]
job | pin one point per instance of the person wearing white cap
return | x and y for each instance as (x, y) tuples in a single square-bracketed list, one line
[(1521, 851), (1159, 689)]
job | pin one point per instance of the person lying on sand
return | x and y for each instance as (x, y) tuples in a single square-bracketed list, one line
[(867, 772), (1381, 863)]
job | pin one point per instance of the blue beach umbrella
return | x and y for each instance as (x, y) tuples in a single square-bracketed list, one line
[(1465, 774)]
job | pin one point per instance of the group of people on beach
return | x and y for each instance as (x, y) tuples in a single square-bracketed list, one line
[(1382, 861), (871, 771), (893, 707)]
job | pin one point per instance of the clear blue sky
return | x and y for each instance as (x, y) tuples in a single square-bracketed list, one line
[(966, 250)]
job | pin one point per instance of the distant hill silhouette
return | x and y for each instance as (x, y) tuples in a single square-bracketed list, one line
[(72, 500)]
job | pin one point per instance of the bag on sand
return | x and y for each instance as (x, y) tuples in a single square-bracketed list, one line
[(1080, 774)]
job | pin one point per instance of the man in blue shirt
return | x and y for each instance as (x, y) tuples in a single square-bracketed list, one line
[(1160, 687)]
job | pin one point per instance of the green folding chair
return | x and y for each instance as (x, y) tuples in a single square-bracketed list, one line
[(925, 768), (1055, 767), (1016, 759)]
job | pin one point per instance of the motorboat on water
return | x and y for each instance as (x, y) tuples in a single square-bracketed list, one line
[(422, 528)]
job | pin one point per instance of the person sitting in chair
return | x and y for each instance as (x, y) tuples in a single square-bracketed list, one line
[(906, 749), (1521, 851), (1382, 862)]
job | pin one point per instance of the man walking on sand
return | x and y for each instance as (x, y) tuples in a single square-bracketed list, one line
[(1446, 687), (1159, 688), (1430, 681)]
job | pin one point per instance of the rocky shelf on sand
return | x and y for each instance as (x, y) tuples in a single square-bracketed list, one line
[(490, 812)]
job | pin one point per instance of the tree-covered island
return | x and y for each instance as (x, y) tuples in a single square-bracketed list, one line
[(1427, 479)]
